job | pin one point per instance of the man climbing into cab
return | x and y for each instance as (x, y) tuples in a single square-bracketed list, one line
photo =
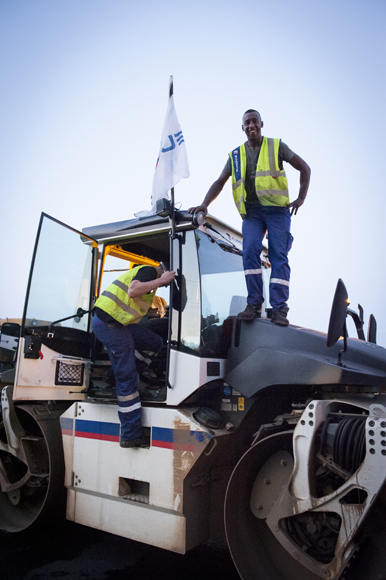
[(260, 192), (116, 313)]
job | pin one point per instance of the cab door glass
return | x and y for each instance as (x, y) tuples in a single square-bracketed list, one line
[(60, 278)]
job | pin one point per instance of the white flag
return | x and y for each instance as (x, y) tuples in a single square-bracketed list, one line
[(172, 162)]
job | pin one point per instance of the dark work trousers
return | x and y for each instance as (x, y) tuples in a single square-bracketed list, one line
[(277, 220), (121, 343)]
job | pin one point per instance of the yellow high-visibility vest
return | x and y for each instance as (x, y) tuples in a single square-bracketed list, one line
[(116, 301), (271, 183)]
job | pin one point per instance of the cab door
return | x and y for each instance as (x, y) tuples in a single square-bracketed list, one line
[(54, 353)]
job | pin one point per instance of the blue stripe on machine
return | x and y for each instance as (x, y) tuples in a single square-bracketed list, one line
[(66, 425), (179, 439), (162, 434), (97, 430)]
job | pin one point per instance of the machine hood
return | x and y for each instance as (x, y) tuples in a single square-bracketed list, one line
[(263, 354)]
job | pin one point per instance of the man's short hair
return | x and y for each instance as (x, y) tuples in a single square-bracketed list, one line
[(252, 111)]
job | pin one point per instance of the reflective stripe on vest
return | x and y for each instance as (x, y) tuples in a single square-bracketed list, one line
[(271, 183), (116, 301)]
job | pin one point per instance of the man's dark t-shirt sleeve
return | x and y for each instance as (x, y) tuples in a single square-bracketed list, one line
[(146, 274)]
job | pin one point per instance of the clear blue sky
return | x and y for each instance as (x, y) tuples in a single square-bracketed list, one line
[(83, 96)]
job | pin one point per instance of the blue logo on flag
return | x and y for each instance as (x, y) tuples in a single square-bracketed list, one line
[(172, 146), (179, 138)]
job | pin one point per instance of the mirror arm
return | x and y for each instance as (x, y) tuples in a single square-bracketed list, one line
[(340, 364), (358, 323)]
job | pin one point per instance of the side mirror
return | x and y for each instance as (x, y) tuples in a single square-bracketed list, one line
[(337, 325), (9, 342), (180, 296)]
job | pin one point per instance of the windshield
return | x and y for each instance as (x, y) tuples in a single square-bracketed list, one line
[(60, 277), (223, 290)]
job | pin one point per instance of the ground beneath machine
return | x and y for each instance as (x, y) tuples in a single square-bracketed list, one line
[(75, 552)]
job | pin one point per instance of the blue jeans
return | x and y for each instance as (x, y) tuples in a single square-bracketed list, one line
[(121, 344), (277, 220)]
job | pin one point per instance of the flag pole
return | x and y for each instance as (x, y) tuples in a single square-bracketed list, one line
[(172, 234), (172, 214)]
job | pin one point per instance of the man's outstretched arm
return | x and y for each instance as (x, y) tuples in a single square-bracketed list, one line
[(305, 175), (214, 190), (138, 288)]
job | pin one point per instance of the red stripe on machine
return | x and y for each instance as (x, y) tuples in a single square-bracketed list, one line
[(98, 436)]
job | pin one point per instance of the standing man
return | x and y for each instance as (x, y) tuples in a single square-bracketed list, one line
[(116, 313), (260, 192)]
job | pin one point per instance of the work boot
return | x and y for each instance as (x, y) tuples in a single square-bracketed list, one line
[(280, 316), (143, 441), (252, 311)]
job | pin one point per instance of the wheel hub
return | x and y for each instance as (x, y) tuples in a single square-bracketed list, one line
[(269, 483)]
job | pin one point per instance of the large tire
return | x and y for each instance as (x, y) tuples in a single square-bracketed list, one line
[(31, 469)]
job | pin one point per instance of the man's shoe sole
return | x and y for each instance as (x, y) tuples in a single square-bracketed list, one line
[(284, 322), (249, 317)]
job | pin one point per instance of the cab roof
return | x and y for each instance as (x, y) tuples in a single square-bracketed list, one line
[(133, 227)]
